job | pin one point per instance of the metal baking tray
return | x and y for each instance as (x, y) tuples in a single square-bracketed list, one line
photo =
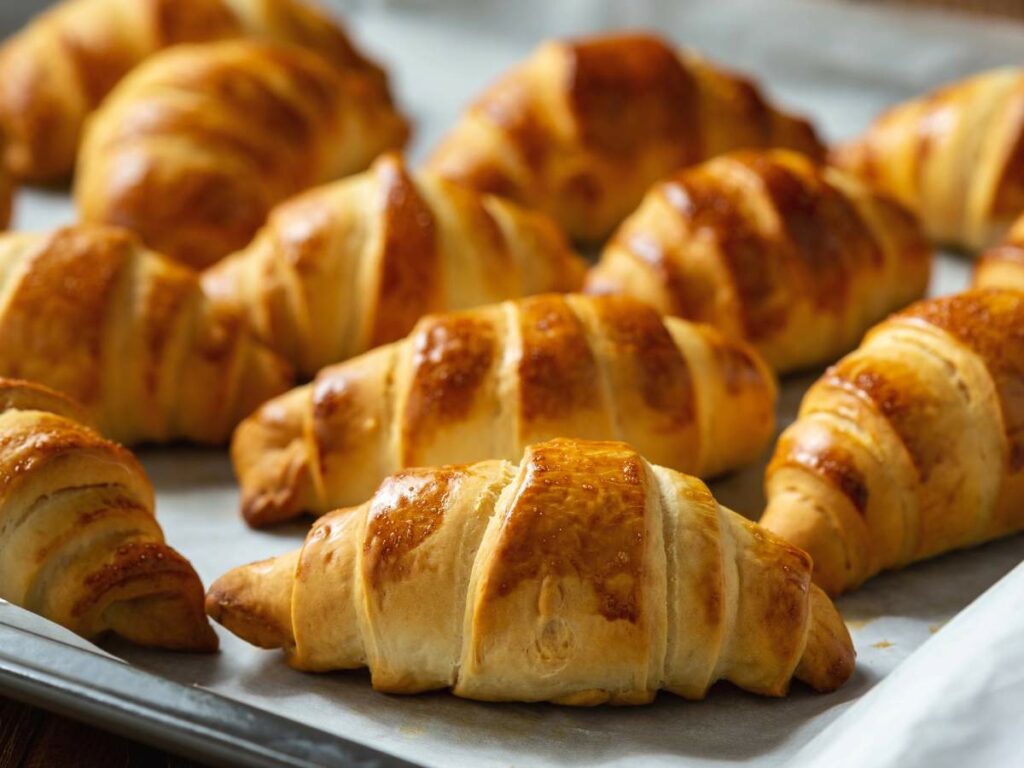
[(62, 676)]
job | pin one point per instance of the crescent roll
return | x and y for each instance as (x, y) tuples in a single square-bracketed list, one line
[(196, 145), (767, 245), (484, 383), (58, 69), (79, 544), (129, 335), (954, 156), (584, 575), (911, 446), (583, 127), (352, 265)]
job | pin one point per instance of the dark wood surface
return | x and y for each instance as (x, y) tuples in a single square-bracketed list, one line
[(34, 738)]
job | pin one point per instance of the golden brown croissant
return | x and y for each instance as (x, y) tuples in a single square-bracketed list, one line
[(484, 383), (912, 445), (583, 127), (355, 264), (1002, 266), (797, 258), (130, 335), (194, 147), (955, 157), (79, 543), (61, 66), (585, 575)]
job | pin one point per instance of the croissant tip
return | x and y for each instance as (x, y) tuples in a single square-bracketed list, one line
[(829, 657), (238, 602)]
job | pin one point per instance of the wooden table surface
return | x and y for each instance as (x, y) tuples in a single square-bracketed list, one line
[(33, 738)]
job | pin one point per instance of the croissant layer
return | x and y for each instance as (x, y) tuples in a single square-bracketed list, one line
[(954, 156), (484, 383), (583, 575), (912, 445), (78, 540), (354, 264), (769, 246), (90, 312), (58, 69), (194, 148), (583, 127)]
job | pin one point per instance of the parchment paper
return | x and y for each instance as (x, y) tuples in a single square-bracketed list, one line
[(922, 694)]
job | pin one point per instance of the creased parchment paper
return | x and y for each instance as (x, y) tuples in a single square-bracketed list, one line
[(923, 694)]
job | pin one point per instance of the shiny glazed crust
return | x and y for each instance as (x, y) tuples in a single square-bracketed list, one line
[(485, 383), (955, 157), (78, 541), (194, 148), (352, 265), (58, 69), (769, 246), (555, 133), (88, 311), (911, 446), (583, 576)]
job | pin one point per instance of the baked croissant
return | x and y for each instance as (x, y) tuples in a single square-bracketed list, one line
[(484, 383), (61, 66), (88, 311), (911, 446), (355, 264), (955, 157), (193, 148), (583, 127), (1002, 266), (79, 543), (585, 575), (797, 258)]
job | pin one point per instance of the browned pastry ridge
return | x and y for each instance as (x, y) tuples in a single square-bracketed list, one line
[(583, 575), (1002, 266), (583, 127), (767, 245), (58, 69), (485, 383), (194, 148), (130, 335), (954, 156), (352, 265), (79, 543), (911, 446)]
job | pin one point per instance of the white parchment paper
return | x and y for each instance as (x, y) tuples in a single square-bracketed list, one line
[(923, 693)]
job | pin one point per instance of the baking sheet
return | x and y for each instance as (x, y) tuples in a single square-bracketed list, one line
[(838, 63)]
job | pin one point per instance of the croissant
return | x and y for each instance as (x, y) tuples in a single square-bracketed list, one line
[(88, 311), (955, 157), (1002, 266), (79, 543), (911, 446), (797, 258), (484, 383), (583, 127), (349, 266), (57, 70), (585, 575), (194, 147)]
